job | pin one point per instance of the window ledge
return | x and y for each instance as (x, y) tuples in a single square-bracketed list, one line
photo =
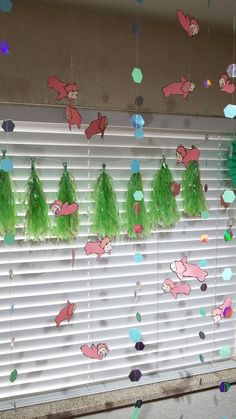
[(80, 406)]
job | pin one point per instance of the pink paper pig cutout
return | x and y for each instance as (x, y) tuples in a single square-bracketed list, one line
[(218, 313), (65, 313), (190, 25), (226, 84), (185, 155), (99, 247), (96, 352), (184, 269), (73, 116), (97, 126), (59, 209), (182, 88), (175, 288)]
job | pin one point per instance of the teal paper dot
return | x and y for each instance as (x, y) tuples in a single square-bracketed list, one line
[(9, 238), (203, 312), (139, 134), (202, 263), (135, 166), (138, 257), (135, 335), (205, 215), (225, 352), (6, 165)]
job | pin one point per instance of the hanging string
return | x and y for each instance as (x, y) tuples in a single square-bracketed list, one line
[(216, 238)]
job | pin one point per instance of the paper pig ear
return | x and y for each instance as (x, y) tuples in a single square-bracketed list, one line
[(99, 115)]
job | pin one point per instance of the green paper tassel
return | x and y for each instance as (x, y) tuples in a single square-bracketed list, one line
[(105, 219), (135, 211), (163, 205), (67, 226), (231, 162), (193, 196), (37, 219), (7, 203)]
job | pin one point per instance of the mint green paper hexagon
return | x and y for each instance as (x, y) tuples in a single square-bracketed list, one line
[(137, 75), (138, 195)]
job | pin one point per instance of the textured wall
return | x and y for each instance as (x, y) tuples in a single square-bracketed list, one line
[(98, 52)]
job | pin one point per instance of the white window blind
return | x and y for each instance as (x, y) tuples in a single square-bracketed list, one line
[(48, 359)]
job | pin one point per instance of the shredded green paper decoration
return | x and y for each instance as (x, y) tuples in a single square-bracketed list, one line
[(67, 226), (192, 191), (37, 218), (163, 205), (105, 219), (138, 216), (231, 162), (7, 203)]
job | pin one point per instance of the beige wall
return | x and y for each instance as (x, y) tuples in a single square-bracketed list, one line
[(97, 51)]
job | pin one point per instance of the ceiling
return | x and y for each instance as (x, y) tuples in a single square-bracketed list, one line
[(212, 12)]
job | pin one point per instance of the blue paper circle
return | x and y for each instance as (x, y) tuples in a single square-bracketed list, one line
[(6, 165), (135, 166), (135, 335)]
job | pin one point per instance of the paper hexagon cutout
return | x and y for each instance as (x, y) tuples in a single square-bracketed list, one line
[(138, 257), (137, 75), (138, 196), (138, 317), (13, 376), (137, 121), (139, 134), (227, 274), (4, 47), (207, 83), (203, 287), (205, 215), (5, 6), (228, 197), (202, 263), (138, 403), (230, 111), (204, 238), (8, 125), (225, 352), (228, 312), (9, 238), (135, 375), (201, 357), (6, 165), (231, 70), (228, 235), (139, 346), (138, 229), (135, 335), (224, 386), (202, 335)]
